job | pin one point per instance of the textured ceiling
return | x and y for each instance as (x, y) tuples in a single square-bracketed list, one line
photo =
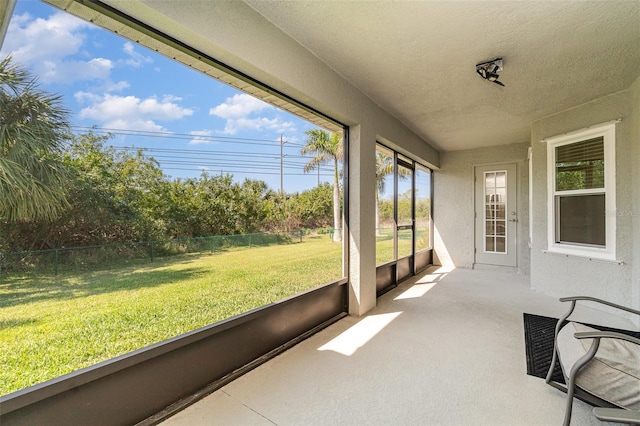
[(416, 59)]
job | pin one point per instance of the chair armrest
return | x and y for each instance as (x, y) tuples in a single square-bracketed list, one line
[(596, 300), (574, 301), (617, 415), (606, 334)]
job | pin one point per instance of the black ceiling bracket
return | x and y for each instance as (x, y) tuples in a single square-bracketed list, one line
[(489, 70)]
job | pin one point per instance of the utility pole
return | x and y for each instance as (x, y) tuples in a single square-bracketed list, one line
[(281, 171)]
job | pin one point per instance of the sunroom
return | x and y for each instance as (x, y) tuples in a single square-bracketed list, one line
[(520, 120)]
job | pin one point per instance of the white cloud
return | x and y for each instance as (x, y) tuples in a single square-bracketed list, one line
[(136, 59), (30, 40), (291, 137), (86, 97), (53, 48), (116, 87), (134, 124), (70, 71), (94, 96), (233, 126), (201, 137), (42, 44), (237, 112), (130, 112), (239, 106)]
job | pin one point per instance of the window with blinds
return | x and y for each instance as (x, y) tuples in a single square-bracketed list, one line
[(581, 173), (580, 165), (581, 217)]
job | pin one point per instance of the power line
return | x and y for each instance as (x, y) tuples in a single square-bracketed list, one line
[(228, 161), (183, 136), (196, 160), (164, 153), (206, 169), (218, 165), (203, 152), (233, 158)]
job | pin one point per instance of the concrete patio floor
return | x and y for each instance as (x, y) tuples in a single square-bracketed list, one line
[(446, 347)]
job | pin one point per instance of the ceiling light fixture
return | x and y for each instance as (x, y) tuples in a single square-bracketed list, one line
[(489, 70)]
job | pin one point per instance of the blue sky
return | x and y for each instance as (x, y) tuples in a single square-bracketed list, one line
[(190, 122)]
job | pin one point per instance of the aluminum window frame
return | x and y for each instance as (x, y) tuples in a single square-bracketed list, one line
[(424, 169)]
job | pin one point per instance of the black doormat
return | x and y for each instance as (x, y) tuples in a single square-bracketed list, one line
[(538, 341), (538, 337)]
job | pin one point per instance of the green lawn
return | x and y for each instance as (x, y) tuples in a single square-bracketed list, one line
[(384, 243), (53, 325)]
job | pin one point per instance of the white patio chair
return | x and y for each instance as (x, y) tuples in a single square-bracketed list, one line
[(599, 367)]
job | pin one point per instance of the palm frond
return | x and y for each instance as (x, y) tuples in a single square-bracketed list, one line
[(325, 147), (33, 132)]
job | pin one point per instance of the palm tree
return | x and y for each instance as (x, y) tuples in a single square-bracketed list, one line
[(33, 129), (384, 167), (326, 147)]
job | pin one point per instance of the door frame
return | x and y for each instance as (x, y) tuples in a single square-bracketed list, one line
[(405, 264), (390, 273), (517, 207)]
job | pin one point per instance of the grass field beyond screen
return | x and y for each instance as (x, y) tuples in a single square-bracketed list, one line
[(50, 326)]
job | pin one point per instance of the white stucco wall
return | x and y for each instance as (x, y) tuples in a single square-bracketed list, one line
[(635, 160), (454, 203), (560, 275)]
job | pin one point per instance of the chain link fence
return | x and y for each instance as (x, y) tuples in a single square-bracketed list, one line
[(89, 258)]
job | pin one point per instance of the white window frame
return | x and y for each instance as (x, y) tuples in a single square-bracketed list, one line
[(607, 132)]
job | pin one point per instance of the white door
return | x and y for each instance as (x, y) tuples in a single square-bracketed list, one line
[(496, 215)]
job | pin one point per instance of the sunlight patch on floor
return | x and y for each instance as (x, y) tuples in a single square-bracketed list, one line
[(415, 291), (349, 341), (444, 269), (425, 283)]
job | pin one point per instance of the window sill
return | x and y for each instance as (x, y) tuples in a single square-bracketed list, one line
[(583, 256)]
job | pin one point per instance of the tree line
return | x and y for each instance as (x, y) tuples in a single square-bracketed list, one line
[(118, 196), (65, 190)]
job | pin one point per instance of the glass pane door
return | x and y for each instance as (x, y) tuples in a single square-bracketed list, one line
[(403, 218), (385, 202), (495, 211), (423, 208), (405, 211)]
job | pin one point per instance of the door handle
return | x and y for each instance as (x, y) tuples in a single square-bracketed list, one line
[(513, 220)]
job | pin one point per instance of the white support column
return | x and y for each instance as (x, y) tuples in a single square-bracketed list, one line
[(362, 240), (635, 211), (6, 10)]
